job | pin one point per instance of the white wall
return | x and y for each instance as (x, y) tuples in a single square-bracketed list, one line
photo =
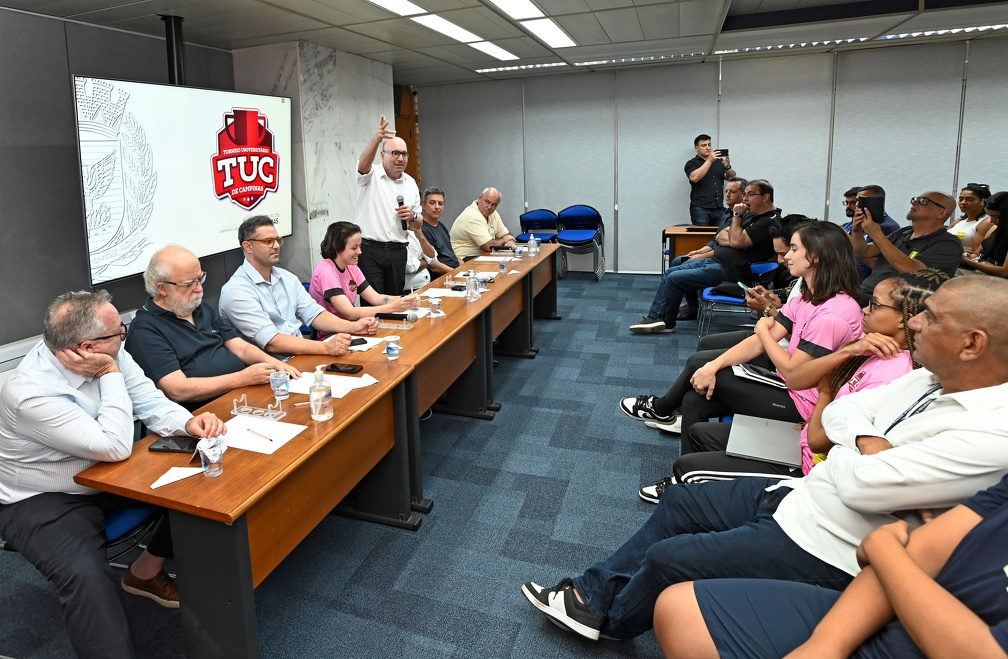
[(813, 125)]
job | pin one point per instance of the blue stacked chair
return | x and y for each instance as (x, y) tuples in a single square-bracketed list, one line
[(580, 232), (541, 223), (711, 302)]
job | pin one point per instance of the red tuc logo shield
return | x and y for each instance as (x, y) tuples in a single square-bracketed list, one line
[(245, 166)]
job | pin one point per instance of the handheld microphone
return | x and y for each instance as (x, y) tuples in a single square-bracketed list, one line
[(399, 202), (410, 317)]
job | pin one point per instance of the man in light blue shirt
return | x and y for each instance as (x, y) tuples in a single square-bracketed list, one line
[(268, 304), (71, 404)]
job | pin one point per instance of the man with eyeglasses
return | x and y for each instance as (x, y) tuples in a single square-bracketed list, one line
[(926, 243), (743, 241), (479, 227), (183, 345), (385, 222), (268, 305), (71, 404)]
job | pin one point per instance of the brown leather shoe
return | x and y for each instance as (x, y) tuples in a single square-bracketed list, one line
[(160, 588)]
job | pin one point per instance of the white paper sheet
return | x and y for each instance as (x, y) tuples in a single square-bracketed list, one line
[(369, 342), (495, 259), (176, 474), (341, 384), (251, 433), (480, 274), (441, 292)]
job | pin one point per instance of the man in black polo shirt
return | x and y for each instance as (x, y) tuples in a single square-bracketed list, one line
[(926, 243), (707, 173), (183, 345)]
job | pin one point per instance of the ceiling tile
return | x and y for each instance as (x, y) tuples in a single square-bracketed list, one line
[(584, 29), (659, 21), (621, 25)]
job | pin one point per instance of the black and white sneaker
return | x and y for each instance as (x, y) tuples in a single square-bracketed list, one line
[(563, 608), (642, 409), (648, 326), (674, 426), (652, 493)]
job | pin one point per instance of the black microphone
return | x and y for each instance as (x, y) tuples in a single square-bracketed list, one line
[(411, 316), (399, 202)]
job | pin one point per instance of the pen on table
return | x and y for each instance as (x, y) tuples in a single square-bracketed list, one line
[(304, 404), (259, 434)]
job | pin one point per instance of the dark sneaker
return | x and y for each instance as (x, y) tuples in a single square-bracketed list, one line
[(160, 588), (562, 606), (674, 426), (648, 326), (641, 408), (652, 493), (687, 313)]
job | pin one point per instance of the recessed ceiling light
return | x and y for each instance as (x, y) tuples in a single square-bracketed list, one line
[(521, 67), (518, 9), (446, 28), (644, 59), (401, 7), (550, 32), (493, 51)]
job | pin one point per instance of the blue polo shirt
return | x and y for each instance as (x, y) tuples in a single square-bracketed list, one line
[(162, 343)]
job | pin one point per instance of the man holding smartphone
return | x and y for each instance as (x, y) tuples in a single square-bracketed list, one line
[(852, 200), (926, 243), (707, 173)]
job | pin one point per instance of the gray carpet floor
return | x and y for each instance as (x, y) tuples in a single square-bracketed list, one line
[(545, 489)]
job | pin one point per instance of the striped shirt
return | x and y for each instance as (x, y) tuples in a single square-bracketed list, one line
[(55, 423)]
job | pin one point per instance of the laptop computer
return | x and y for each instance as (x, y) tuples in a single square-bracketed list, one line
[(766, 440)]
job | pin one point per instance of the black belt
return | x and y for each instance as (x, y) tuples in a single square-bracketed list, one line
[(388, 247)]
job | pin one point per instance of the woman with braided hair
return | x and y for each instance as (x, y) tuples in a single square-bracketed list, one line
[(882, 355)]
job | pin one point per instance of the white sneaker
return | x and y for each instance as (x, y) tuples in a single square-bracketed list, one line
[(674, 426)]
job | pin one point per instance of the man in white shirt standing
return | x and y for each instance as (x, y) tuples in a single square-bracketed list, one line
[(384, 221), (71, 404), (929, 440)]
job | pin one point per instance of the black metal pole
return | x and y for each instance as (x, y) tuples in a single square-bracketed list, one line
[(176, 50)]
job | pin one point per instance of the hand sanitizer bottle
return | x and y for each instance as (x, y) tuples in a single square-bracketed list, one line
[(320, 397)]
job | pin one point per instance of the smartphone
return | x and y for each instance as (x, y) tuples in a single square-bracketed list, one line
[(346, 369), (742, 286), (724, 153), (458, 287), (875, 205), (358, 341), (174, 445)]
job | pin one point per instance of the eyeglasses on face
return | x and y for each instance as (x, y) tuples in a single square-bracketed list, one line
[(754, 193), (397, 154), (924, 201), (266, 241), (186, 285), (121, 334), (874, 304)]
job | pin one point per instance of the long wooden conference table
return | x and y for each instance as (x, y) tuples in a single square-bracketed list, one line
[(230, 532)]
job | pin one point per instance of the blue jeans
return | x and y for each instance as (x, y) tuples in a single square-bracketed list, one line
[(680, 281), (706, 217), (710, 530)]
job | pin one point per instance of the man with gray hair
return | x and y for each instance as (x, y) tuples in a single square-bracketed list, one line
[(385, 221), (479, 227), (432, 202), (183, 345), (71, 404)]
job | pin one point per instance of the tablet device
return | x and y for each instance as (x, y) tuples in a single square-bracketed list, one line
[(175, 445), (766, 440)]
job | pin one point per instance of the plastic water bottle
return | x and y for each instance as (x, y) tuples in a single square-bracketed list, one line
[(320, 397), (533, 249), (472, 288)]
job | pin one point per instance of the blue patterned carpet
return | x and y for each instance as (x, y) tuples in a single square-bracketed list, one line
[(539, 493)]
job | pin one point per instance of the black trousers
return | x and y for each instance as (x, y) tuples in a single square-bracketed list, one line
[(708, 348), (706, 459), (63, 536), (384, 266)]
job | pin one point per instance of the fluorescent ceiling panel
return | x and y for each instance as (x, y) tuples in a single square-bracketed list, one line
[(446, 28), (401, 7), (493, 51), (518, 9), (550, 32)]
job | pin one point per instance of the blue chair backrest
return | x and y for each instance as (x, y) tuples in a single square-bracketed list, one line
[(580, 216), (537, 220), (762, 268)]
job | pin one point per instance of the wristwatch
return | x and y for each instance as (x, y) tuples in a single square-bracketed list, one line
[(766, 312)]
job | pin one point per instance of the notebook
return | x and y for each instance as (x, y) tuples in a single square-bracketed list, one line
[(766, 440)]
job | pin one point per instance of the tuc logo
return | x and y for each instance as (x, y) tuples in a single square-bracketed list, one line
[(245, 166)]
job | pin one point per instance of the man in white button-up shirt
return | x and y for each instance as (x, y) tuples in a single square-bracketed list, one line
[(71, 404)]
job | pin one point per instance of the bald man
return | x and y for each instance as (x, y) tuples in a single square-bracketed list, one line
[(479, 227), (926, 243), (384, 221), (190, 352)]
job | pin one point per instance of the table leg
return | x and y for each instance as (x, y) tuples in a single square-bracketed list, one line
[(468, 395), (516, 339)]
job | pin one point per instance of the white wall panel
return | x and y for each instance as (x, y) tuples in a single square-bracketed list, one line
[(983, 157), (570, 147), (897, 121), (471, 138), (661, 110), (775, 116)]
